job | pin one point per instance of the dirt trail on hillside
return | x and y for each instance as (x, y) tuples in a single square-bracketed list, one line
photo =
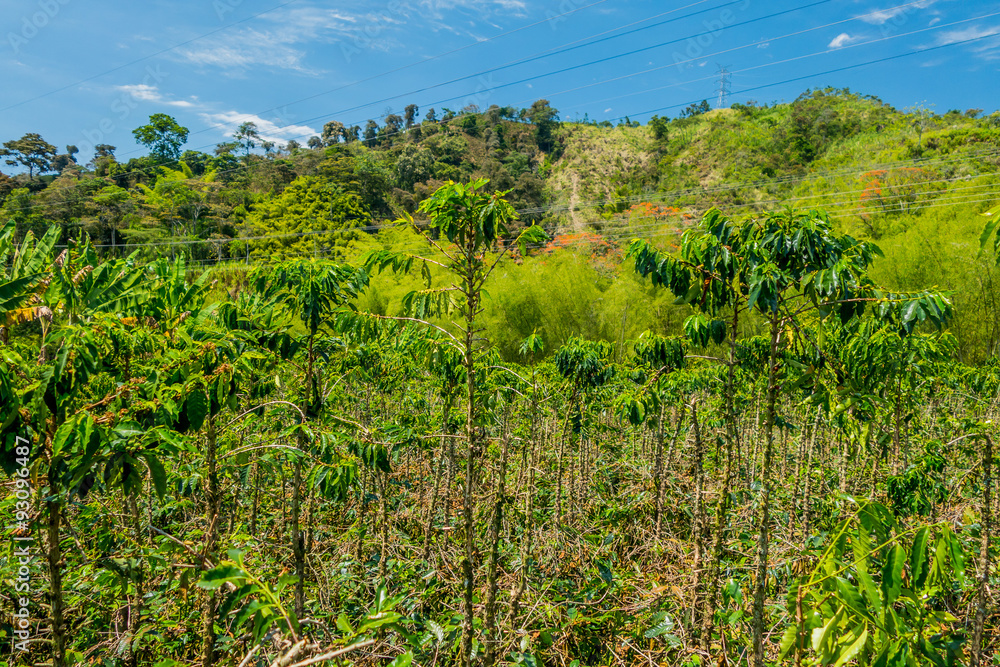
[(574, 199)]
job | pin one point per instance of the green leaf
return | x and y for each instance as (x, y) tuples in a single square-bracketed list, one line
[(157, 473), (892, 575), (197, 408), (661, 628), (219, 576), (918, 556), (344, 625), (788, 640), (851, 598), (436, 630), (957, 554), (991, 226), (63, 438), (871, 591), (822, 636), (852, 651), (403, 660)]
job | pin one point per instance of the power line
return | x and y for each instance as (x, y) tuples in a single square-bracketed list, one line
[(144, 58), (849, 67), (765, 65), (553, 73), (915, 52), (701, 190), (538, 56), (236, 169), (626, 231), (786, 180), (482, 73), (958, 195)]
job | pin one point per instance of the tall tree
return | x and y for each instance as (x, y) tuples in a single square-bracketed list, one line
[(163, 136), (410, 114), (29, 151), (247, 136), (393, 124), (371, 131), (545, 120), (333, 132)]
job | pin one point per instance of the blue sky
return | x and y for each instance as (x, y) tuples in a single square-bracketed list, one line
[(89, 71)]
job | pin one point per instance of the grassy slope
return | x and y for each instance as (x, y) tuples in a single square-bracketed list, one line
[(743, 163), (740, 162)]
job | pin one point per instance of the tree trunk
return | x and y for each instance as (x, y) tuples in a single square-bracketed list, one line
[(529, 461), (298, 541), (298, 544), (256, 498), (359, 545), (382, 477), (211, 545), (986, 523), (658, 475), (807, 481), (674, 440), (135, 605), (698, 525), (55, 585), (760, 587), (722, 510), (450, 481), (490, 624), (468, 511), (432, 510), (559, 471)]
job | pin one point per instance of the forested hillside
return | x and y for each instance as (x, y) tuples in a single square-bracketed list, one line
[(912, 181), (494, 388)]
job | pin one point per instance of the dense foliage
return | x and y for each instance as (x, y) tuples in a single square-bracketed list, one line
[(458, 440)]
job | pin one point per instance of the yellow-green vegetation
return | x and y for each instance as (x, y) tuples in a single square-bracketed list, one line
[(462, 444), (913, 181)]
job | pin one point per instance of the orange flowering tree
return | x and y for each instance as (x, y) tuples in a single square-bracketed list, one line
[(891, 192)]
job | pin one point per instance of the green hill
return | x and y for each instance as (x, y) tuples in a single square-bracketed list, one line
[(914, 181)]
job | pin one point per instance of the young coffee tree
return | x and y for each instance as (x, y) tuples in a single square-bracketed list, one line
[(464, 231), (784, 265)]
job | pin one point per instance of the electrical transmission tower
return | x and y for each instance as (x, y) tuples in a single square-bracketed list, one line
[(724, 77)]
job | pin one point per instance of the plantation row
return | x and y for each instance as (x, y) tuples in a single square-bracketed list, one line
[(805, 476)]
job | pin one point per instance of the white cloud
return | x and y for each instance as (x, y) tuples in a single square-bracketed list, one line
[(608, 109), (445, 5), (881, 16), (146, 93), (986, 45), (248, 48), (840, 41), (228, 121), (284, 37), (282, 44), (972, 32)]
